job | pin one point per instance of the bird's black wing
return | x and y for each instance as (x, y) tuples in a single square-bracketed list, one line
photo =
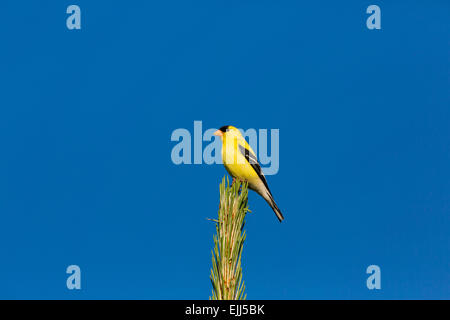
[(253, 161)]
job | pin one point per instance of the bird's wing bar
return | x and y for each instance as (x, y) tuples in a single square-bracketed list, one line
[(250, 156), (253, 161)]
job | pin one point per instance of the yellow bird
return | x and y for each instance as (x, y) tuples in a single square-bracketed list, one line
[(241, 163)]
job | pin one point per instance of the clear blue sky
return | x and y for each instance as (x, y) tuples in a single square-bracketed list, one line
[(86, 117)]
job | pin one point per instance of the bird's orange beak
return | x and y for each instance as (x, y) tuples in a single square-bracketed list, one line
[(218, 133)]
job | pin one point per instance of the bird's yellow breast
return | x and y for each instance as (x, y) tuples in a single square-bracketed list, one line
[(235, 162)]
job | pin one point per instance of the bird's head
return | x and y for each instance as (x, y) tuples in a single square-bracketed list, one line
[(228, 131)]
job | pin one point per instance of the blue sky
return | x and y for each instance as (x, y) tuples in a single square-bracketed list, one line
[(86, 117)]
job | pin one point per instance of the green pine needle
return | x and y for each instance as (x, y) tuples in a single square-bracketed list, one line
[(226, 271)]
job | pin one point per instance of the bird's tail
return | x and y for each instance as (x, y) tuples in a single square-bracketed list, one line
[(263, 191), (274, 206)]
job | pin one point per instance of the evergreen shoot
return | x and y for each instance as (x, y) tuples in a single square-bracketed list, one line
[(226, 271)]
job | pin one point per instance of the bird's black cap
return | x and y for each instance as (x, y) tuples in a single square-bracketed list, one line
[(224, 128)]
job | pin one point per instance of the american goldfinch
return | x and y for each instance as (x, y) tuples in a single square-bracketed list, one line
[(241, 163)]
